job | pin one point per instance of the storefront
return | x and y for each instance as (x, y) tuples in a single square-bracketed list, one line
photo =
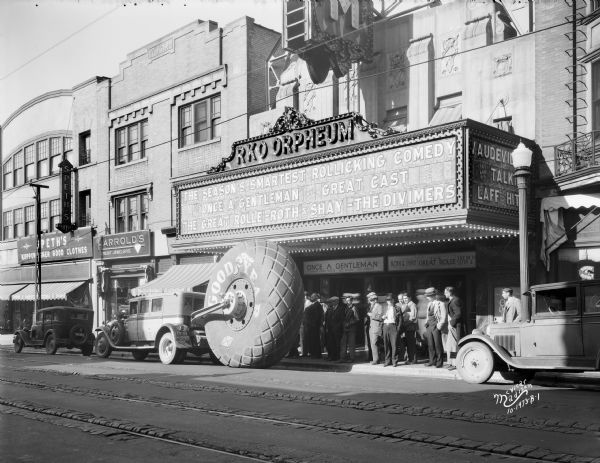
[(362, 209), (124, 261), (66, 273)]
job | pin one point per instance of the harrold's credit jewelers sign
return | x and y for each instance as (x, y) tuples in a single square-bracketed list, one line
[(417, 175), (57, 246), (129, 244), (358, 265)]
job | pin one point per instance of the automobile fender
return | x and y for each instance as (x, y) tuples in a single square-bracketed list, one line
[(105, 329), (498, 350), (180, 332), (24, 336)]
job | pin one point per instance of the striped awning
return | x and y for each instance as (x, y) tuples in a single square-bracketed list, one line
[(50, 291), (6, 291), (178, 278)]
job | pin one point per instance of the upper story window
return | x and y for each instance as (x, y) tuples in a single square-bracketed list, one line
[(85, 151), (19, 225), (131, 142), (29, 220), (55, 155), (131, 212), (42, 156), (596, 95), (84, 215), (595, 5), (54, 214), (44, 217), (7, 173), (18, 173), (7, 220), (30, 164), (200, 121)]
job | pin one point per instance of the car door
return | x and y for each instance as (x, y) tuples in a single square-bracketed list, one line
[(131, 323), (557, 322), (143, 319), (590, 320), (152, 318)]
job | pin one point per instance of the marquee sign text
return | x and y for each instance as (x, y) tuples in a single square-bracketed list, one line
[(448, 260), (358, 265), (418, 175)]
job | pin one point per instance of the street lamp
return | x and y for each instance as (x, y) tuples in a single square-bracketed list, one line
[(521, 160)]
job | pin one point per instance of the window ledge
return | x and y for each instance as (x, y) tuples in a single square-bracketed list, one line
[(199, 145), (127, 164)]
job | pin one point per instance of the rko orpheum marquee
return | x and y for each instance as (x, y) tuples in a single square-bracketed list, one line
[(443, 196)]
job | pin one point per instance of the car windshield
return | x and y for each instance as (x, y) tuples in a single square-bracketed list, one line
[(560, 301)]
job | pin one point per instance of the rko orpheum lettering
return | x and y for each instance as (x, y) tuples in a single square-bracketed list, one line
[(312, 138)]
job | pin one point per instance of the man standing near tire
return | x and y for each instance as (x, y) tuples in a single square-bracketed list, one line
[(436, 320), (409, 325), (454, 324), (375, 325)]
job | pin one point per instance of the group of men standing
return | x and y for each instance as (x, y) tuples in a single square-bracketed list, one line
[(388, 322), (333, 324)]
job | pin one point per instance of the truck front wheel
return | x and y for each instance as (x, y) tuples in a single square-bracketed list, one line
[(167, 351), (475, 362)]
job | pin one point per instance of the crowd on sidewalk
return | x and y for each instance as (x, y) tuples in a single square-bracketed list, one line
[(331, 326)]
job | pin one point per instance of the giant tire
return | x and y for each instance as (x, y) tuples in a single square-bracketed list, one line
[(475, 362), (270, 283)]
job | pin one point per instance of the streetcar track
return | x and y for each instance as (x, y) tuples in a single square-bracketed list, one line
[(512, 421), (332, 427)]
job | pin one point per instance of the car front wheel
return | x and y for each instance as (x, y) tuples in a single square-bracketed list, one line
[(103, 348), (18, 344), (166, 348), (51, 346), (475, 362)]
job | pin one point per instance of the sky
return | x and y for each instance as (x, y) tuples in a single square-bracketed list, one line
[(48, 45)]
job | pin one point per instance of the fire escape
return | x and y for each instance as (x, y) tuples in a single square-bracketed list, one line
[(582, 150)]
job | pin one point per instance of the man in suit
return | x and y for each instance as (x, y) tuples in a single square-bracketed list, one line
[(409, 326), (375, 325), (436, 322), (455, 309), (512, 307), (334, 327)]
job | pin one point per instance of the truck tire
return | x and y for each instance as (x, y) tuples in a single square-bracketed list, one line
[(18, 343), (264, 275), (51, 346), (475, 362), (167, 349)]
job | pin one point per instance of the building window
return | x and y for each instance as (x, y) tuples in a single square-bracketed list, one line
[(30, 220), (85, 207), (596, 96), (19, 225), (131, 213), (55, 155), (7, 171), (85, 152), (396, 119), (68, 141), (595, 5), (44, 217), (30, 167), (200, 121), (18, 173), (8, 225), (131, 142), (54, 214), (42, 158)]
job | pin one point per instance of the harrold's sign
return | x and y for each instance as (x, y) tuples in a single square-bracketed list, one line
[(57, 246), (129, 244)]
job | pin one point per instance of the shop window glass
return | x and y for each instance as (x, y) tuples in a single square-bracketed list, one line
[(591, 297)]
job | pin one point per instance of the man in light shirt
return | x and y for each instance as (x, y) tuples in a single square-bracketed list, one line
[(392, 323)]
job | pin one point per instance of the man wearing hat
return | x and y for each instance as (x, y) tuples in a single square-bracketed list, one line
[(375, 325), (334, 326), (348, 341), (436, 320), (512, 307), (313, 320)]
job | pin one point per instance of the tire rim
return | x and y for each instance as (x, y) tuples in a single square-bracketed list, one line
[(241, 293), (167, 347), (474, 363), (102, 344)]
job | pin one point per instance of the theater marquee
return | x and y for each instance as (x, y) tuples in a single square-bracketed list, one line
[(404, 177)]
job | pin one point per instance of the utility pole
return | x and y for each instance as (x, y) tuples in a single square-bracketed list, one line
[(38, 249)]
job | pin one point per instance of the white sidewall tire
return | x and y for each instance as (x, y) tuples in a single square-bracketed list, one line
[(475, 362), (166, 348), (278, 298)]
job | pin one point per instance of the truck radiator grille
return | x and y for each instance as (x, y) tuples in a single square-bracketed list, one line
[(506, 341)]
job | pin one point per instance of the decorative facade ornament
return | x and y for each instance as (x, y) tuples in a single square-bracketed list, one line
[(371, 128), (310, 98), (290, 120), (502, 65), (449, 55)]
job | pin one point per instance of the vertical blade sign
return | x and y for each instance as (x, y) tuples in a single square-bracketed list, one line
[(66, 195)]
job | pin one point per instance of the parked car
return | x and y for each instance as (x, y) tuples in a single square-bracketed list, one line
[(60, 326), (562, 335), (156, 323)]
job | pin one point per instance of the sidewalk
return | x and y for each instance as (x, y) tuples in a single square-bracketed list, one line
[(588, 380)]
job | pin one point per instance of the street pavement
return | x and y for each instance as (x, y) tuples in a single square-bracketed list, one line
[(587, 380)]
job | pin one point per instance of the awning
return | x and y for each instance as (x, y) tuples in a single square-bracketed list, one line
[(177, 279), (446, 114), (569, 202), (50, 291), (8, 290)]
